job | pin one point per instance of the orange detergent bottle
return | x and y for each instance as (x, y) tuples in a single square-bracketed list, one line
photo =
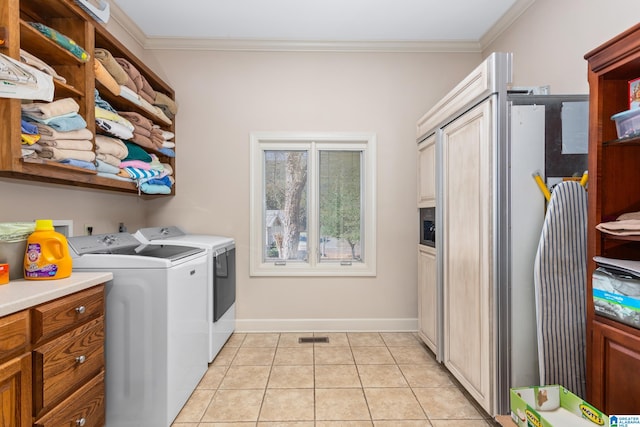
[(47, 255)]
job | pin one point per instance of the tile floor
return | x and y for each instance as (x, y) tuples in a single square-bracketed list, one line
[(357, 379)]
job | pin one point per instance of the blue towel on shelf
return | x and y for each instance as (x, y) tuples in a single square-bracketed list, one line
[(28, 128), (64, 123), (99, 102), (147, 188), (79, 164), (165, 180), (167, 152), (106, 167)]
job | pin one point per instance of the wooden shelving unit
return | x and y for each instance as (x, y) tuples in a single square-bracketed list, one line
[(613, 348), (69, 19)]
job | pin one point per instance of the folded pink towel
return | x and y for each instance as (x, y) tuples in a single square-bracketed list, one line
[(135, 164), (137, 119)]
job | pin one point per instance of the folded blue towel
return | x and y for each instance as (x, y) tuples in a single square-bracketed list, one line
[(167, 152), (79, 163), (106, 167), (64, 123), (28, 128), (165, 180), (154, 189)]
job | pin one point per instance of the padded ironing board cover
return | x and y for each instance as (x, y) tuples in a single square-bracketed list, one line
[(560, 281)]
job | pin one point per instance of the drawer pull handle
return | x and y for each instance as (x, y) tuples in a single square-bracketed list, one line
[(81, 422), (81, 359), (81, 309)]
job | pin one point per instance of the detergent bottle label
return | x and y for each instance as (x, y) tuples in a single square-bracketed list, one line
[(37, 264)]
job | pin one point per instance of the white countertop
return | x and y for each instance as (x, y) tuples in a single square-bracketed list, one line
[(20, 294)]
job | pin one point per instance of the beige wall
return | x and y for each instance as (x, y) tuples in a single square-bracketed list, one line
[(550, 39), (223, 96)]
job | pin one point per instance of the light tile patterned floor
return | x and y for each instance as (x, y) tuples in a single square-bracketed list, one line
[(355, 380)]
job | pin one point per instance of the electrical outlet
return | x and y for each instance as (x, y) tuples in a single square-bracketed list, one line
[(88, 229)]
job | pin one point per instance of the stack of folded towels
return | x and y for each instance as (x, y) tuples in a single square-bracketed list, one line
[(29, 136), (144, 134), (113, 124), (167, 143), (132, 85), (151, 176), (110, 150), (64, 136)]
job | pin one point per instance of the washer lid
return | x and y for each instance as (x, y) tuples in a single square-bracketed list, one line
[(159, 233), (126, 244), (170, 252)]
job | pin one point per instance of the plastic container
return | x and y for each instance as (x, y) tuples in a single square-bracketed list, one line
[(4, 274), (627, 123), (13, 244), (47, 254)]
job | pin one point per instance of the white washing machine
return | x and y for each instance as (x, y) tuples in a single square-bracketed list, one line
[(156, 329), (221, 272)]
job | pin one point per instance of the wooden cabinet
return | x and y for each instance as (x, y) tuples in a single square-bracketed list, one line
[(427, 172), (466, 250), (68, 18), (15, 370), (428, 307), (613, 349), (55, 378), (614, 369)]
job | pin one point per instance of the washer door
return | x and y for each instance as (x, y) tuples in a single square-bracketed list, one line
[(224, 285)]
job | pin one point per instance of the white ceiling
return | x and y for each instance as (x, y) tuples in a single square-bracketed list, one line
[(358, 21)]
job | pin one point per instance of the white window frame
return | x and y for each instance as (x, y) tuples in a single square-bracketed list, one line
[(313, 142)]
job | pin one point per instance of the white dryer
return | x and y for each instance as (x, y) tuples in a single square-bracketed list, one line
[(221, 272), (156, 329)]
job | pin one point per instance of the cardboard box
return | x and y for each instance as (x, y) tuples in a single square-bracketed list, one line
[(553, 406)]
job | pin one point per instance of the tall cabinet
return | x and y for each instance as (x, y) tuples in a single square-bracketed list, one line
[(489, 214), (428, 296), (613, 348)]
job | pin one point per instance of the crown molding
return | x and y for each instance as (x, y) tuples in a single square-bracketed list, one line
[(216, 44), (173, 43), (127, 24), (514, 12)]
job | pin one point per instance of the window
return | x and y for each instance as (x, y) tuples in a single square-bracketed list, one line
[(313, 204)]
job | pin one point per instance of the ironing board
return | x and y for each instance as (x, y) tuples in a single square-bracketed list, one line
[(560, 281)]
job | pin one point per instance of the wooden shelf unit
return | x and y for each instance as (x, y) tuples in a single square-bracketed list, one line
[(69, 19), (613, 348)]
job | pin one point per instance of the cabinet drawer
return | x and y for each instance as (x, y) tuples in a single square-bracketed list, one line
[(85, 407), (66, 313), (60, 366), (14, 334)]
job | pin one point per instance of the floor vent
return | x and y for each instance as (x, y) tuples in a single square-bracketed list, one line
[(305, 340)]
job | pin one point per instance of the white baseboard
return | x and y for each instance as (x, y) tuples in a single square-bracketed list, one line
[(327, 325)]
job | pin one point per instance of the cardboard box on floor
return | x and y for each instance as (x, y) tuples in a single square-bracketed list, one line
[(553, 406)]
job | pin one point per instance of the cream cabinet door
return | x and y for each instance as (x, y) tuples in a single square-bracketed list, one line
[(427, 172), (467, 273), (427, 297)]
